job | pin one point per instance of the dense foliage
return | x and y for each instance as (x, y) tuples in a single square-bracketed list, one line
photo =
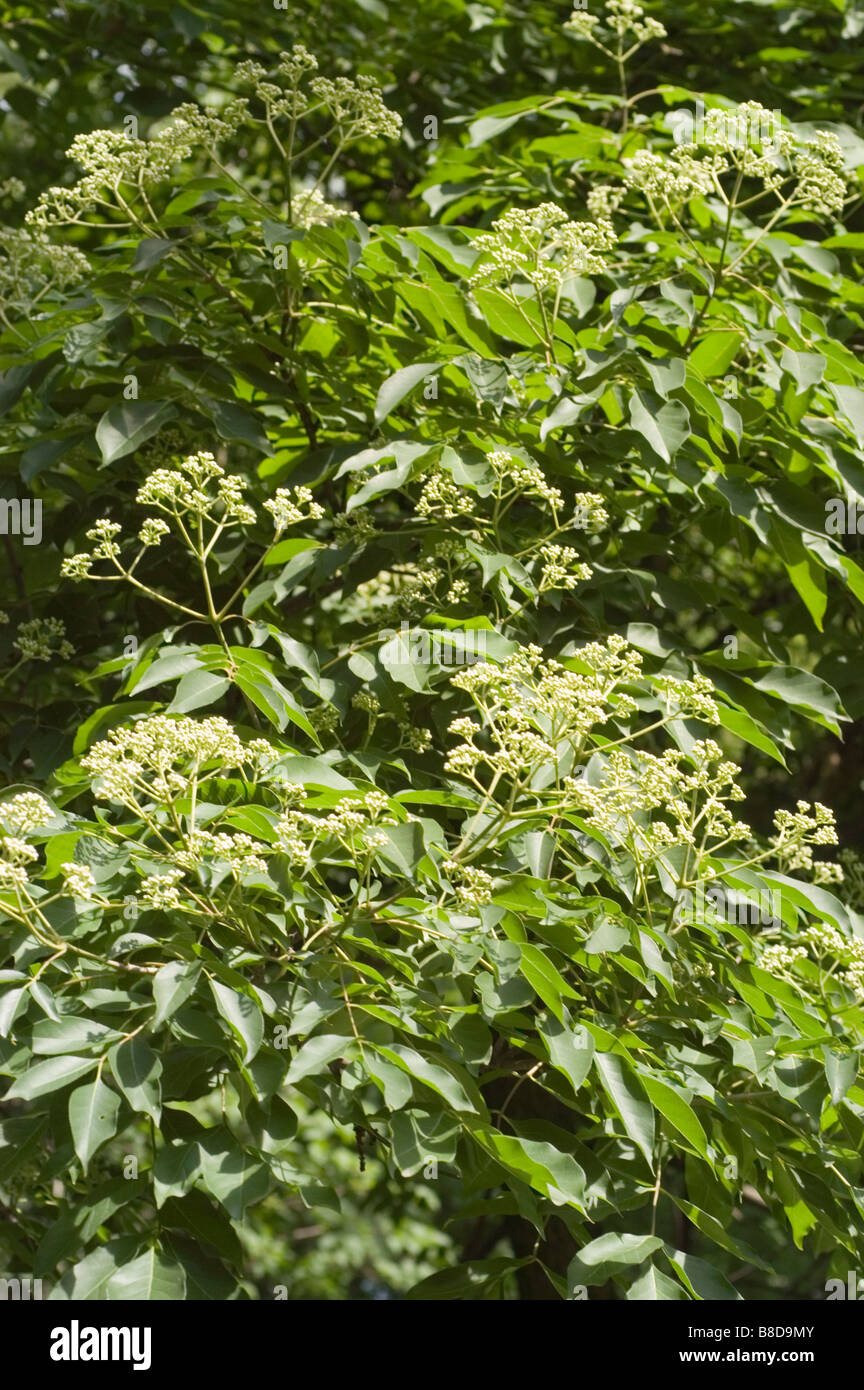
[(432, 635)]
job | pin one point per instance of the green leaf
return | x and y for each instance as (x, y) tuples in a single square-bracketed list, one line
[(555, 1174), (151, 250), (607, 936), (176, 1168), (570, 1049), (676, 1110), (806, 368), (168, 665), (136, 1068), (805, 691), (12, 1003), (703, 1281), (197, 690), (71, 1034), (608, 1255), (665, 430), (841, 1072), (314, 1055), (718, 1233), (739, 723), (802, 567), (850, 402), (432, 1074), (150, 1278), (172, 985), (314, 772), (621, 1085), (397, 386), (467, 1281), (545, 979), (126, 427), (196, 1214), (48, 1076), (487, 127), (233, 1177), (655, 1286), (242, 1015), (93, 1111), (271, 697), (87, 1280), (236, 423), (715, 353)]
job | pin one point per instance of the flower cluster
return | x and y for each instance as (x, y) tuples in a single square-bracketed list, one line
[(114, 161), (542, 246), (201, 502), (24, 812), (846, 950), (324, 719), (395, 594), (147, 756), (198, 485), (77, 567), (689, 697), (562, 568), (589, 513), (419, 740), (15, 854), (240, 853), (604, 201), (529, 706), (624, 18), (103, 533), (13, 189), (780, 960), (354, 825), (527, 480), (825, 873), (43, 639), (291, 505), (675, 177), (852, 868), (309, 208), (442, 495), (356, 108), (161, 890), (153, 530), (354, 527), (119, 167), (796, 832), (196, 126), (747, 140), (78, 881), (30, 264), (832, 949), (819, 167), (633, 786), (472, 887)]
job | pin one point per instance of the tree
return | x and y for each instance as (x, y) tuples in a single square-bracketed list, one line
[(369, 842)]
